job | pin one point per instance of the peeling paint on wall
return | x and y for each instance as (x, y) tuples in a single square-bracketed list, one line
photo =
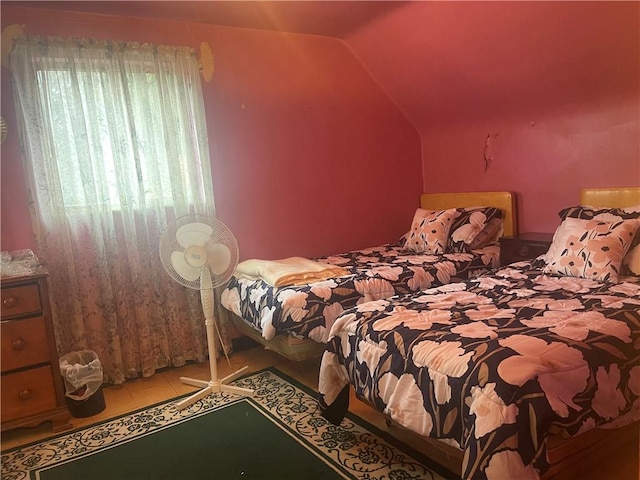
[(206, 61), (10, 33)]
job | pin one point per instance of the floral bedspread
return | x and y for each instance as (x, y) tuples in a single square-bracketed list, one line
[(308, 311), (492, 364)]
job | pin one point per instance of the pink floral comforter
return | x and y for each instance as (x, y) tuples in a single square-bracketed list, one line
[(308, 311), (492, 364)]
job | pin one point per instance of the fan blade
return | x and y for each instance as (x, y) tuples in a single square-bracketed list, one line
[(182, 268), (193, 234), (218, 257)]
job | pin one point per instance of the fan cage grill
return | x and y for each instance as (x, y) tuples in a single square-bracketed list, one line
[(220, 234)]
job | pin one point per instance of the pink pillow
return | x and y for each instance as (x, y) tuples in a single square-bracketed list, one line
[(632, 261), (590, 248), (430, 231), (469, 223), (488, 235)]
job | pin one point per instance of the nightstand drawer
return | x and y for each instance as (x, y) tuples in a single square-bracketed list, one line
[(20, 300), (27, 393), (24, 343)]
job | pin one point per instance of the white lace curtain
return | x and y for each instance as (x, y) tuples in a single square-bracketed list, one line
[(115, 146)]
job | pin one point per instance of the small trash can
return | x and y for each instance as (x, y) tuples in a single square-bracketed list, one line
[(83, 376)]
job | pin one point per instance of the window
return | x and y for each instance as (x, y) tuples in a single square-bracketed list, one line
[(115, 147)]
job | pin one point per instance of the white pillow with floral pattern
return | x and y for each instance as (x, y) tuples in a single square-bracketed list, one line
[(591, 249), (429, 231)]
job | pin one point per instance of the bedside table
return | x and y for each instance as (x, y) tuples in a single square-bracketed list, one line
[(525, 246)]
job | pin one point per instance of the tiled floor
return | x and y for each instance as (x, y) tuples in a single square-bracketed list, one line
[(165, 385)]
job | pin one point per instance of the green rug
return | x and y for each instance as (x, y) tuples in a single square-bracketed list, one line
[(278, 434)]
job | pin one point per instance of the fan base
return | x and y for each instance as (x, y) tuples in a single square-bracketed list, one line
[(211, 386)]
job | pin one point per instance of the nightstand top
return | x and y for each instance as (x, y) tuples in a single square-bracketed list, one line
[(533, 237), (41, 271)]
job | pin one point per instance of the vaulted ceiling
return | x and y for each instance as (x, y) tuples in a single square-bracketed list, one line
[(327, 18), (449, 61)]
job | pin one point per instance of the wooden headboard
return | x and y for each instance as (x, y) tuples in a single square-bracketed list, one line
[(610, 197), (503, 200)]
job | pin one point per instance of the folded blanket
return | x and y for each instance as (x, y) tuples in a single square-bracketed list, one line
[(288, 271)]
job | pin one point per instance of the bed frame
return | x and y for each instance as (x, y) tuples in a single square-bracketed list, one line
[(299, 349), (506, 201), (290, 347), (567, 457), (611, 197)]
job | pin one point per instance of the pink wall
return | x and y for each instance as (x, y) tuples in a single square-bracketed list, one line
[(305, 144), (309, 156), (559, 82), (15, 223), (546, 160)]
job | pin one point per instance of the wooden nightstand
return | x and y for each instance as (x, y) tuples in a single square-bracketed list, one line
[(32, 387), (525, 246)]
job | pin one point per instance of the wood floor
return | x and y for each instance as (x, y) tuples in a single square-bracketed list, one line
[(133, 395), (140, 393)]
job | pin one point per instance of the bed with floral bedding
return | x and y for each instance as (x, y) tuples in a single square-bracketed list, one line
[(379, 272), (494, 365), (442, 245)]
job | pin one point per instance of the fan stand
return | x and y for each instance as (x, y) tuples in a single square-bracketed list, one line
[(214, 385)]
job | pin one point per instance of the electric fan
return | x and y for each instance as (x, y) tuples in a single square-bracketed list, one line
[(201, 253)]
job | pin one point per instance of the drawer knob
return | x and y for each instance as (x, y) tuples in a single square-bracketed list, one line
[(18, 344), (9, 302), (524, 251), (25, 394)]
